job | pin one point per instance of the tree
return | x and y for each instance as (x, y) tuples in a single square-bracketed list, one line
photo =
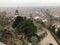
[(34, 38), (6, 36), (58, 33), (30, 28), (26, 26), (17, 21), (52, 28), (1, 27)]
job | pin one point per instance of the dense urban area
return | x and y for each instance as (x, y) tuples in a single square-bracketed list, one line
[(30, 26)]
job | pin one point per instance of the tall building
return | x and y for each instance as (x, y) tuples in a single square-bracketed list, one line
[(16, 13)]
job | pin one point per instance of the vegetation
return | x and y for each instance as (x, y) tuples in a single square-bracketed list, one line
[(25, 26), (52, 28), (58, 33), (21, 30), (37, 24), (1, 27), (17, 21)]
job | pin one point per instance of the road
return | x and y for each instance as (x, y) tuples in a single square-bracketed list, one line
[(48, 39)]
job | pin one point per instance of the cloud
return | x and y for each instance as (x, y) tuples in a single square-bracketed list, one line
[(13, 3)]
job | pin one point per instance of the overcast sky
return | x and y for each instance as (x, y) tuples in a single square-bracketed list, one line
[(19, 3)]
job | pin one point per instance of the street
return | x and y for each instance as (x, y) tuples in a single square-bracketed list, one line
[(48, 39)]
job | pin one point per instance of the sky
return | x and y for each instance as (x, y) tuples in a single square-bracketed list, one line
[(23, 3)]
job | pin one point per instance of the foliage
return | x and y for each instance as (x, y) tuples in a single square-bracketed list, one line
[(5, 34), (58, 33), (52, 28), (34, 38), (1, 27), (17, 21), (29, 27), (37, 24), (34, 43), (24, 25)]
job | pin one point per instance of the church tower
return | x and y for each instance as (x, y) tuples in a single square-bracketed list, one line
[(16, 13)]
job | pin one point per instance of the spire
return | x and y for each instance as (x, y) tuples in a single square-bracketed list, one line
[(16, 12)]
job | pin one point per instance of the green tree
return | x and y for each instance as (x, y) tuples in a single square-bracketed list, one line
[(5, 34), (52, 28), (24, 25), (58, 33), (30, 28), (27, 27), (17, 21)]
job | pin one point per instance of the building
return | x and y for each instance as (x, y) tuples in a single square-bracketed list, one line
[(17, 13), (57, 25)]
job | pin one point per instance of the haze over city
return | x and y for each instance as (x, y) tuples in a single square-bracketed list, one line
[(14, 3)]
